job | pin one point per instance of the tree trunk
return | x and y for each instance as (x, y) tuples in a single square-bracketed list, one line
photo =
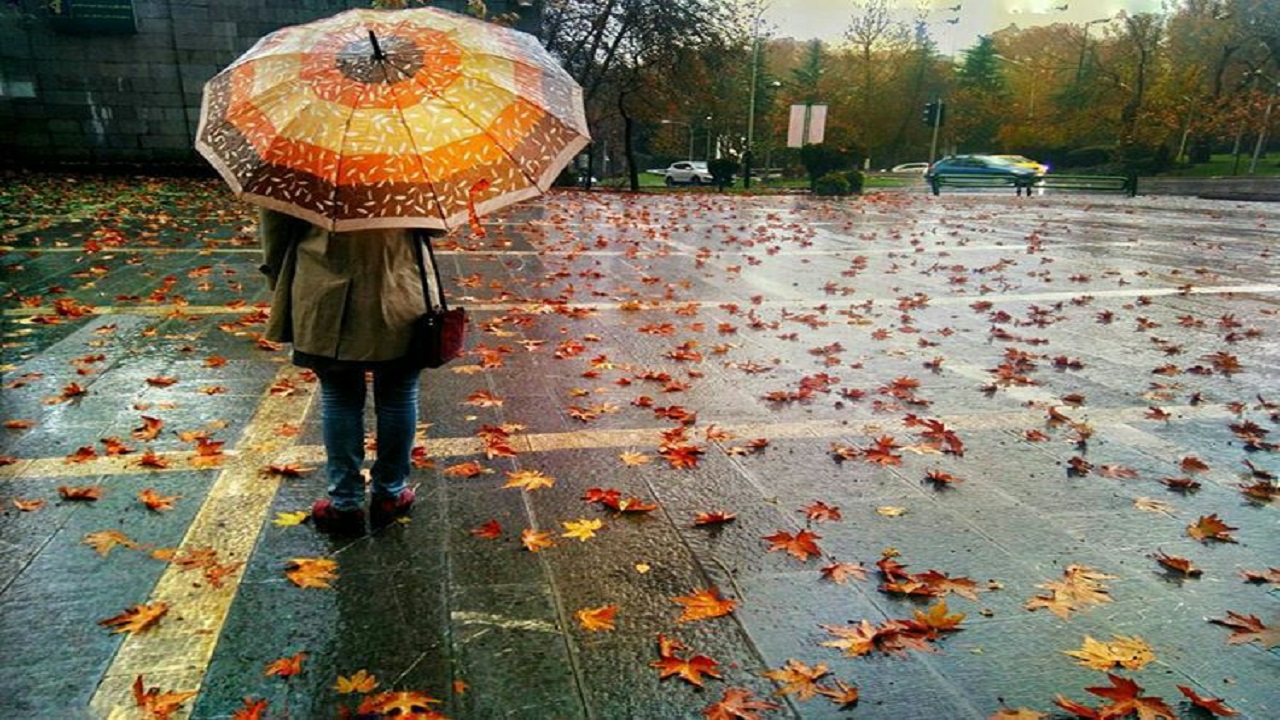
[(633, 173)]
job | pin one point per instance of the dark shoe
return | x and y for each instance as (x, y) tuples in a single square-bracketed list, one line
[(329, 519), (385, 510)]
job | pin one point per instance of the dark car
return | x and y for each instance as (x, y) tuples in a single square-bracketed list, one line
[(983, 166)]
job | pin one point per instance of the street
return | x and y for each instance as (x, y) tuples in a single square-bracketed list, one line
[(1055, 415)]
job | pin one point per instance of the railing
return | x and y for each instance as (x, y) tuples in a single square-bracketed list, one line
[(1094, 183)]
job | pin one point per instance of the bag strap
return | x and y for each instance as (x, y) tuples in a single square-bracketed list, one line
[(421, 238)]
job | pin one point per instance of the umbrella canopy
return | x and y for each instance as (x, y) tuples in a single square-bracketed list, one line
[(391, 118)]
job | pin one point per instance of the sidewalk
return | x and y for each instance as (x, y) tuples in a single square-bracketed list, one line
[(999, 394)]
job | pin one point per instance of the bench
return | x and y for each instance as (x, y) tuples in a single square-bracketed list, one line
[(1051, 181)]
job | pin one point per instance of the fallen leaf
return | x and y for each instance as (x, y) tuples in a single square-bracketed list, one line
[(285, 667), (1126, 699), (738, 704), (468, 469), (28, 505), (311, 572), (1018, 714), (597, 619), (633, 459), (819, 511), (1211, 527), (528, 480), (1078, 588), (1247, 629), (715, 517), (401, 704), (583, 529), (138, 618), (289, 519), (535, 541), (157, 704), (797, 678), (157, 502), (1152, 505), (1177, 564), (703, 605), (359, 682), (1131, 652), (1214, 706), (890, 511), (690, 670), (105, 541), (800, 546), (841, 571), (252, 710), (88, 493), (490, 530), (842, 694)]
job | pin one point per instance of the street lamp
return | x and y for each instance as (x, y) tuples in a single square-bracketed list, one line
[(1084, 47), (1031, 109), (709, 138), (747, 156), (688, 125)]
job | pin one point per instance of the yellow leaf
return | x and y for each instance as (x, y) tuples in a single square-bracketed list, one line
[(311, 572), (584, 529), (890, 510), (528, 480), (632, 458), (286, 519), (360, 682), (1127, 652)]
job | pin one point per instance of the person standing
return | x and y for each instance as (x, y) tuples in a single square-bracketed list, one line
[(347, 301)]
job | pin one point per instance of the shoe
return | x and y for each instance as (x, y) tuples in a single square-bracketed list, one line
[(385, 510), (329, 519)]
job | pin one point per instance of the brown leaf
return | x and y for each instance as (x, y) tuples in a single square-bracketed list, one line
[(105, 541), (714, 517), (1211, 527), (138, 618), (89, 493), (842, 694), (819, 511), (156, 502), (25, 505), (1018, 714), (1127, 652), (841, 571), (1177, 564), (1247, 629), (1078, 588), (738, 704), (359, 682), (690, 670), (156, 704), (149, 430), (797, 678)]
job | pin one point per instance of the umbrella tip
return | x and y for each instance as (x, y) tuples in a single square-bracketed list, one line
[(377, 49)]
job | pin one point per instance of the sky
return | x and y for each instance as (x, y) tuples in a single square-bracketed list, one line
[(827, 19)]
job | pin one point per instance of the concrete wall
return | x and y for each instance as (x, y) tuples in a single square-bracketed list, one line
[(114, 99)]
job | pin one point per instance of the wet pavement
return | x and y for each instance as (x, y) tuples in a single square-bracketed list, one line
[(1005, 391)]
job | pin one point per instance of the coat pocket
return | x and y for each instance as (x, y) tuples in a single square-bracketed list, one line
[(318, 311)]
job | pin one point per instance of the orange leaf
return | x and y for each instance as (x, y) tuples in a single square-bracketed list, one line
[(703, 605), (252, 710), (28, 505), (1248, 628), (311, 572), (1177, 564), (842, 571), (138, 618), (1214, 706), (161, 381), (715, 517), (289, 470), (800, 546), (105, 541), (534, 541), (738, 704), (157, 502), (152, 460), (468, 469), (285, 667), (156, 704), (82, 454), (819, 511), (597, 619), (149, 430), (690, 670), (18, 424), (528, 480)]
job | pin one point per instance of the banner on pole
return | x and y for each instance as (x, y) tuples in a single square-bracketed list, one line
[(808, 125)]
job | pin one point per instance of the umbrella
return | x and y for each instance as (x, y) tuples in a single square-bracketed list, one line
[(391, 118)]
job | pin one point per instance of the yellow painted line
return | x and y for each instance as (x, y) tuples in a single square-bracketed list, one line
[(176, 653), (312, 456)]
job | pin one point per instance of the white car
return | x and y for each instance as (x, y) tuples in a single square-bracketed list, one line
[(915, 167), (688, 172)]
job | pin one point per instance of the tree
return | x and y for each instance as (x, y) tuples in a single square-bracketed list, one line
[(981, 98)]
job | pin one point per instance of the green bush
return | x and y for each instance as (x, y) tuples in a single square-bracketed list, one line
[(831, 184), (568, 177), (856, 180)]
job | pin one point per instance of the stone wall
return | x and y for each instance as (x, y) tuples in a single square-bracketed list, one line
[(102, 97)]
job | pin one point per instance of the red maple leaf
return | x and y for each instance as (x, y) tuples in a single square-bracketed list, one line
[(800, 546)]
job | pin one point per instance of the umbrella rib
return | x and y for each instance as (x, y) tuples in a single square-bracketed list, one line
[(417, 152)]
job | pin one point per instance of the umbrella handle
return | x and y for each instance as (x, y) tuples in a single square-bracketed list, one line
[(377, 49)]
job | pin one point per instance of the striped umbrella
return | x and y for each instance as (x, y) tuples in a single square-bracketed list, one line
[(392, 118)]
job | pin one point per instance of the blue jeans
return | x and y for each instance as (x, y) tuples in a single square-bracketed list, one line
[(395, 400)]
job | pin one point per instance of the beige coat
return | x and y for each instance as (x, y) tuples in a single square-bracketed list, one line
[(349, 296)]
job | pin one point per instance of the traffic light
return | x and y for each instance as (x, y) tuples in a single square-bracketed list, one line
[(934, 113)]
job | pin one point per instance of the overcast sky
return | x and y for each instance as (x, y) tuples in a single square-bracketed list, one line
[(827, 19)]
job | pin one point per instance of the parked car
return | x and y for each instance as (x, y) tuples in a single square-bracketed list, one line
[(983, 166), (918, 168), (688, 172)]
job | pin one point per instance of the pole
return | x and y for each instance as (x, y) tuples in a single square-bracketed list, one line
[(937, 121), (691, 142), (751, 111), (1262, 133)]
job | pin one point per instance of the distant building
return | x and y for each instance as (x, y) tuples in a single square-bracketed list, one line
[(118, 82)]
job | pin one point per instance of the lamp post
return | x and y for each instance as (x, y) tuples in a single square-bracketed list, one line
[(1084, 47), (709, 138), (747, 156), (688, 125)]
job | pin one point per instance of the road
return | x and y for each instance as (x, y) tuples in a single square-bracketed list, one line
[(1000, 390)]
